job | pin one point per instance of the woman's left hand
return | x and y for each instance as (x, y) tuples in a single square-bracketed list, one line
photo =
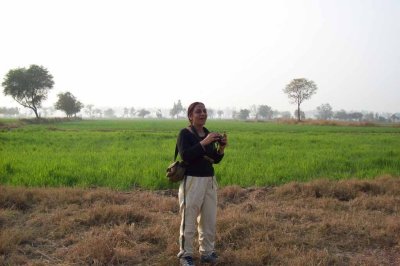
[(224, 140), (223, 143)]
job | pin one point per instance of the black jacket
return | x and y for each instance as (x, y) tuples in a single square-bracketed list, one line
[(193, 154)]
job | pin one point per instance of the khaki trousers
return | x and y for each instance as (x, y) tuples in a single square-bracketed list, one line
[(198, 202)]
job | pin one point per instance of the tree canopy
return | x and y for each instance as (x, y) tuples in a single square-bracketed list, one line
[(299, 90), (68, 103), (28, 86)]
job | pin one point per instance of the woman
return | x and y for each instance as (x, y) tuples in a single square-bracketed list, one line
[(200, 149)]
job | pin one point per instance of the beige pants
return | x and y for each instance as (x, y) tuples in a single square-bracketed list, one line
[(197, 201)]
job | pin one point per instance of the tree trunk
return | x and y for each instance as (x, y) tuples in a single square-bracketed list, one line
[(36, 113), (298, 112)]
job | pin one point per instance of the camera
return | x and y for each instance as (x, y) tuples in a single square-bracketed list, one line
[(220, 139)]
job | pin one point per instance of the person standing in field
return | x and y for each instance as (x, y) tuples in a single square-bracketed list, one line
[(200, 149)]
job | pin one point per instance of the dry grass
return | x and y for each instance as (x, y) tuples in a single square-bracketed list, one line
[(317, 223)]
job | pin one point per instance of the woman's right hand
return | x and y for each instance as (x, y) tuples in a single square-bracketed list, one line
[(211, 137)]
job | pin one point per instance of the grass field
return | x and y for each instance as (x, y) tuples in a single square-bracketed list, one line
[(134, 153)]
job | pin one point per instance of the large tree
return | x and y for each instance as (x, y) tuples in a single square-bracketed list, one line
[(299, 90), (28, 86), (68, 103)]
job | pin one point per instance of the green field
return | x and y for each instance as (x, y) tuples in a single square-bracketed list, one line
[(134, 153)]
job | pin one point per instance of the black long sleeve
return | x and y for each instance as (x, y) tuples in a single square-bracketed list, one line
[(194, 155)]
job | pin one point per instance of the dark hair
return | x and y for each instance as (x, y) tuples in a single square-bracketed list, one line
[(191, 109)]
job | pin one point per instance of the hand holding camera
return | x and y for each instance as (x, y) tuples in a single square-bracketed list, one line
[(222, 142), (221, 139)]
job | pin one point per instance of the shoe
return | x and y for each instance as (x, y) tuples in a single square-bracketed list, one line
[(186, 261), (210, 258)]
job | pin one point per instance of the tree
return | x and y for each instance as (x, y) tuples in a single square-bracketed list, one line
[(109, 113), (89, 110), (159, 114), (244, 114), (48, 111), (341, 115), (264, 111), (126, 112), (285, 114), (299, 90), (234, 114), (325, 111), (132, 112), (97, 112), (68, 103), (355, 116), (253, 111), (302, 114), (381, 118), (143, 112), (210, 113), (177, 109), (220, 113), (369, 116), (394, 118), (28, 87)]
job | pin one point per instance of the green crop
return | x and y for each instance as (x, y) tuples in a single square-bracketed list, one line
[(135, 153)]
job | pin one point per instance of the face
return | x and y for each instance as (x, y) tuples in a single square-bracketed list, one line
[(199, 115)]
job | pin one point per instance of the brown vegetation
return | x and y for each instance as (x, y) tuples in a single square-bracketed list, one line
[(16, 123), (319, 122), (317, 223)]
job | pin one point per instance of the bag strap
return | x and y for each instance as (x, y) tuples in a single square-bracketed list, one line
[(199, 139), (194, 131), (176, 152)]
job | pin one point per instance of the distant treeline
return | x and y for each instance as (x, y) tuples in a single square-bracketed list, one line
[(30, 86), (261, 112), (13, 111)]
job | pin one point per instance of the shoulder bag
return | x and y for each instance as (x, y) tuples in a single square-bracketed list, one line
[(176, 170)]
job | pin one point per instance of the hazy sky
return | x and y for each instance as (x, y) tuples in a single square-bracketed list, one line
[(224, 53)]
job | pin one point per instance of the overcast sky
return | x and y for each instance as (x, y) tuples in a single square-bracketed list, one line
[(224, 53)]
